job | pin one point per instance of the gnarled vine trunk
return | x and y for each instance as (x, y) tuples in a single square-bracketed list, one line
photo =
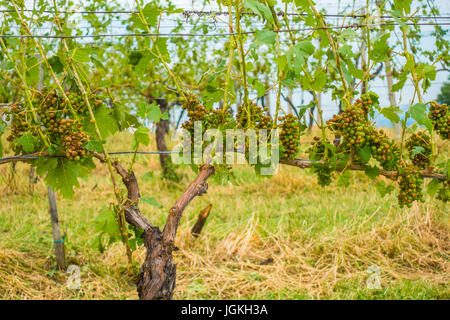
[(157, 277)]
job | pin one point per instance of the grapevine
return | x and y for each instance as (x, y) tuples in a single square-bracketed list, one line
[(440, 117), (419, 149), (410, 182), (65, 133)]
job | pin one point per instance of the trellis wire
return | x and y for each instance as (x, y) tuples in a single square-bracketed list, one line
[(178, 35), (188, 13)]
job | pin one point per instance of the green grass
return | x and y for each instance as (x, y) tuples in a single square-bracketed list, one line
[(320, 240)]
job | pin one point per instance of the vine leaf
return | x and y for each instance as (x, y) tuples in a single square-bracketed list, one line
[(265, 36), (141, 136), (344, 179), (417, 150), (433, 187), (27, 142), (106, 224), (372, 172), (94, 146), (107, 125), (391, 113), (260, 9), (56, 64), (364, 153), (384, 189), (380, 49), (419, 113), (63, 177), (151, 13)]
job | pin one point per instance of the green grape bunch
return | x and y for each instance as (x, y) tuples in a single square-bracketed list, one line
[(60, 123), (195, 112), (289, 136), (357, 133), (410, 182), (321, 153), (440, 118), (419, 149), (252, 116)]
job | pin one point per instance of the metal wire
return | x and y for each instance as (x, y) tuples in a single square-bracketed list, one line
[(188, 13), (173, 35)]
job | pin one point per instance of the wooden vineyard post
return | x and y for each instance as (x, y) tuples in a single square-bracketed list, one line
[(58, 241), (203, 215)]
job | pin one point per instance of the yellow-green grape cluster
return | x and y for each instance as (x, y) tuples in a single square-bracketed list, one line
[(440, 117), (196, 112), (410, 181), (384, 149), (254, 117), (73, 139), (78, 104), (419, 149), (218, 118), (59, 122), (18, 116), (357, 132), (324, 173), (352, 125), (289, 136), (57, 117), (320, 153), (366, 101)]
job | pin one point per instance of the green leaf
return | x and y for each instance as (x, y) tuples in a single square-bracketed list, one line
[(151, 201), (27, 142), (320, 80), (259, 8), (140, 136), (391, 113), (134, 58), (106, 123), (302, 3), (151, 14), (2, 130), (63, 177), (372, 172), (106, 222), (344, 179), (417, 150), (265, 36), (260, 88), (33, 70), (306, 46), (93, 146), (403, 5), (143, 63), (56, 64), (380, 49), (364, 153), (419, 113), (81, 55), (433, 187), (384, 189), (161, 44)]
